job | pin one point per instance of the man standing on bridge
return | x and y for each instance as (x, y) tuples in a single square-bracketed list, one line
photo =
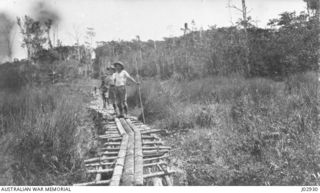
[(120, 78)]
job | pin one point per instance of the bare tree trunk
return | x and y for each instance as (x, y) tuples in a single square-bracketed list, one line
[(158, 75), (54, 37), (78, 50), (49, 40), (318, 28), (229, 8), (173, 56), (245, 26), (9, 47), (186, 50), (29, 48)]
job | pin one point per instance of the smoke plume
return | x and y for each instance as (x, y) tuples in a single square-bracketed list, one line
[(44, 12), (6, 26)]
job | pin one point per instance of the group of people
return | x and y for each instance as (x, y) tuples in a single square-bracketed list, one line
[(113, 88)]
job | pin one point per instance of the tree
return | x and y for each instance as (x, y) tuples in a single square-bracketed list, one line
[(312, 5), (77, 34), (90, 34), (295, 56), (48, 25), (315, 6), (245, 23), (36, 35), (245, 26)]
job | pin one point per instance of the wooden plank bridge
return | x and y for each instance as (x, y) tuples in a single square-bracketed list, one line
[(130, 154)]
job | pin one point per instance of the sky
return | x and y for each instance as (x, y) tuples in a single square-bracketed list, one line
[(150, 19)]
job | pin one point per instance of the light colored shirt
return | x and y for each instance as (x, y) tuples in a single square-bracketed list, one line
[(120, 78), (109, 80)]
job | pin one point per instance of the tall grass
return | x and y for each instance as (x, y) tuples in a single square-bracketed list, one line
[(242, 132), (40, 136)]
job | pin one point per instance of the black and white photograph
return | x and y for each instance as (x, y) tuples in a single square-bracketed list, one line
[(205, 93)]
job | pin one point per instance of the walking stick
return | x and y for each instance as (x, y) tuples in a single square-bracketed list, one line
[(139, 90)]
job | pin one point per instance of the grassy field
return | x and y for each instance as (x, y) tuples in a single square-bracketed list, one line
[(236, 131), (45, 133), (223, 130)]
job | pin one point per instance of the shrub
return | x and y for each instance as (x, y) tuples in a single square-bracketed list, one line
[(156, 102), (14, 76), (244, 132), (43, 124)]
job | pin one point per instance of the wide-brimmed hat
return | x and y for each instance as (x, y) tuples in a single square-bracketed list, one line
[(119, 63)]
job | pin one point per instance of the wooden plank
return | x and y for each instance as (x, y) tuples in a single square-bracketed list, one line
[(154, 152), (128, 172), (109, 153), (100, 164), (112, 133), (137, 124), (108, 136), (113, 129), (99, 159), (155, 158), (153, 155), (118, 169), (143, 127), (120, 127), (110, 126), (109, 149), (150, 137), (99, 171), (148, 131), (138, 156), (112, 143), (157, 174), (102, 182), (152, 143), (156, 148), (114, 139), (108, 122), (125, 126), (153, 164)]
